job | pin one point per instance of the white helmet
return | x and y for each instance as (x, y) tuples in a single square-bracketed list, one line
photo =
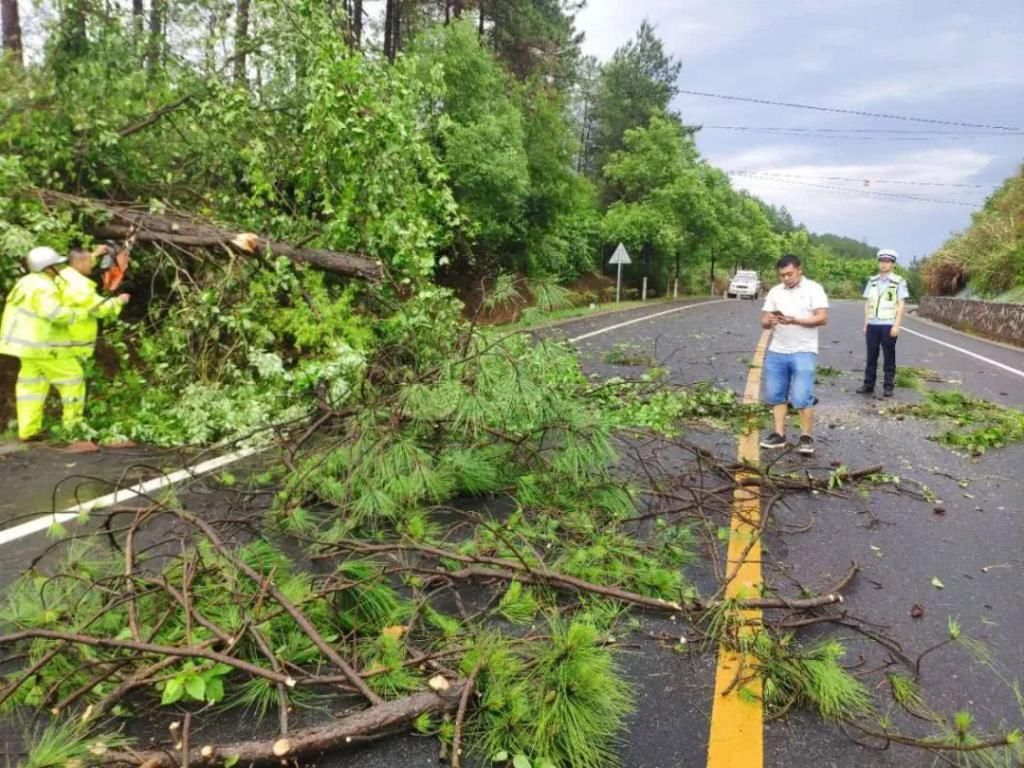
[(887, 253), (41, 257)]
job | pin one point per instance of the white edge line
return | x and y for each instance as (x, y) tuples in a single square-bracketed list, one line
[(988, 360), (43, 522), (645, 317)]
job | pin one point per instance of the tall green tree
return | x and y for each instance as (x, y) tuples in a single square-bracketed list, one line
[(639, 81), (478, 129)]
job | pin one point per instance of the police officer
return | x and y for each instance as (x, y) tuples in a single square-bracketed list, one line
[(34, 328), (885, 299)]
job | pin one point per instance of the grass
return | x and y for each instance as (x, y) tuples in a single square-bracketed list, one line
[(827, 372), (978, 424), (911, 377), (627, 354)]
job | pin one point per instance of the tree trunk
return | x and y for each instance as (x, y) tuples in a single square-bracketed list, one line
[(389, 25), (241, 39), (122, 221), (357, 22), (457, 7), (346, 733), (712, 275), (396, 33), (480, 24), (157, 23), (11, 25), (138, 17)]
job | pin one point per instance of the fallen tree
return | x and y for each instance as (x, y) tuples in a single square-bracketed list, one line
[(119, 221), (347, 732)]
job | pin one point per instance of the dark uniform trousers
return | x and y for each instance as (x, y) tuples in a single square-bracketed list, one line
[(880, 336)]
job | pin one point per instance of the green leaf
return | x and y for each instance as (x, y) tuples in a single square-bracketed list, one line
[(521, 761), (173, 691), (500, 757), (214, 689), (229, 762), (196, 687), (936, 583)]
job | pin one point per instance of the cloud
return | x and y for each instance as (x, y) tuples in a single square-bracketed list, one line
[(833, 197), (690, 29)]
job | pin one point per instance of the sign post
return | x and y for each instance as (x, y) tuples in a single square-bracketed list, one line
[(619, 258)]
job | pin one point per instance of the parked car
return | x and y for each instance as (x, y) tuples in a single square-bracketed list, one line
[(744, 284)]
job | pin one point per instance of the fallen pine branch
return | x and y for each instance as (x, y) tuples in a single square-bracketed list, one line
[(359, 728)]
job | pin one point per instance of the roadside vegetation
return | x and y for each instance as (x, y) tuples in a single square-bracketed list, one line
[(987, 258)]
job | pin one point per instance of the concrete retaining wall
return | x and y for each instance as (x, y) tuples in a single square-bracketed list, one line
[(1003, 322)]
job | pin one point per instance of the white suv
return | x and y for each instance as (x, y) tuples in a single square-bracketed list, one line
[(745, 283)]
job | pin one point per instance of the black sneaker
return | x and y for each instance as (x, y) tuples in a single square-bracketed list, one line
[(806, 445), (774, 440), (864, 389), (887, 392)]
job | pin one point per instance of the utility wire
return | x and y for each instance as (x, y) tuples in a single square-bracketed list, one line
[(849, 111), (802, 129), (861, 193), (864, 181), (853, 134)]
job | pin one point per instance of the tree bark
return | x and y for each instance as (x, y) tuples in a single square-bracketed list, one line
[(138, 17), (356, 729), (187, 233), (241, 39), (157, 12), (357, 22), (10, 23), (389, 23)]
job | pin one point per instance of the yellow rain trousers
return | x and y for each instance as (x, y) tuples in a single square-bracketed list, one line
[(34, 328), (34, 381)]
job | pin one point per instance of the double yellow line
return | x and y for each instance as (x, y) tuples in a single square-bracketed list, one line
[(737, 714)]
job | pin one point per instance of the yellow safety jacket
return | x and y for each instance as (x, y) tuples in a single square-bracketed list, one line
[(79, 292), (883, 302), (35, 320)]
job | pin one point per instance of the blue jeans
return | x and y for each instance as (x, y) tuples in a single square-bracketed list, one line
[(789, 377)]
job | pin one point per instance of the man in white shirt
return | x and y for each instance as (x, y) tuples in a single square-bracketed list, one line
[(794, 310)]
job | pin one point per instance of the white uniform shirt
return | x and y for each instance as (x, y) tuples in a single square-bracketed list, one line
[(800, 302)]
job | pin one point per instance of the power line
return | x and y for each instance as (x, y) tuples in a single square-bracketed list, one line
[(871, 138), (882, 134), (862, 193), (848, 111), (864, 181)]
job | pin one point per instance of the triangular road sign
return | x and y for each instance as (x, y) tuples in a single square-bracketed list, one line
[(620, 256)]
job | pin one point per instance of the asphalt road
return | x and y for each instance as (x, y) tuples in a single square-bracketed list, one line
[(974, 548)]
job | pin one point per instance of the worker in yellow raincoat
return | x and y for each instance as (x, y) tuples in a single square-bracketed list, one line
[(78, 291), (34, 328)]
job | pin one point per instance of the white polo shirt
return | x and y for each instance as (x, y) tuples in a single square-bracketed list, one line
[(799, 301)]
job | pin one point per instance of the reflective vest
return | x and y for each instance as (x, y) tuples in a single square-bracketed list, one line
[(79, 292), (35, 320), (883, 302)]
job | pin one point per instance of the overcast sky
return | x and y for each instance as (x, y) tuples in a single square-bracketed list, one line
[(942, 60)]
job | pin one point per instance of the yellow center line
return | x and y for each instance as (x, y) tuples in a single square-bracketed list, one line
[(737, 715)]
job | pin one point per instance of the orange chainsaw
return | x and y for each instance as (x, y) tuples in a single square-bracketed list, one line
[(114, 265)]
